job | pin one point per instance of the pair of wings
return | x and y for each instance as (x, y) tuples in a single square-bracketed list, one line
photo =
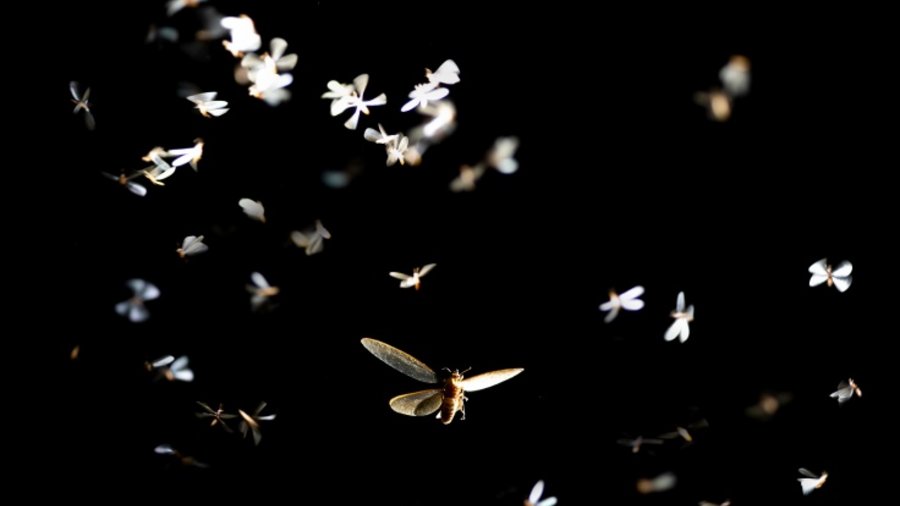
[(426, 402), (406, 277), (840, 276)]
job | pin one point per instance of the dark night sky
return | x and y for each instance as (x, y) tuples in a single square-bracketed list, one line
[(623, 180)]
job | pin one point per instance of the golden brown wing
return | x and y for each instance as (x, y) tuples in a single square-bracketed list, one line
[(421, 403), (399, 360), (488, 379)]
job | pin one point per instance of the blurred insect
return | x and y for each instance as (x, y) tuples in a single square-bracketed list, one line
[(707, 503), (447, 73), (183, 459), (684, 433), (768, 405), (501, 155), (242, 31), (661, 483), (468, 177), (76, 350), (171, 368), (424, 93), (342, 100), (134, 307), (313, 241), (192, 245), (207, 104), (250, 423), (846, 390), (823, 273), (534, 498), (716, 102), (127, 182), (680, 328), (218, 416), (628, 300), (253, 209), (636, 443), (811, 481), (414, 280), (187, 155), (173, 6), (82, 104), (379, 136), (397, 151), (261, 290), (735, 76), (448, 398)]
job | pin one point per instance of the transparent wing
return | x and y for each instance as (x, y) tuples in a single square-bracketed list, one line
[(489, 379), (164, 450), (421, 403), (842, 283), (426, 269), (122, 308), (447, 73), (322, 230), (820, 267), (807, 473), (399, 360), (201, 98), (73, 89), (843, 270), (186, 375), (633, 304), (149, 292), (360, 83), (179, 364), (138, 313)]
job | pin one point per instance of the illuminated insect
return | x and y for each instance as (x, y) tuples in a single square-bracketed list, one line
[(823, 273), (313, 241), (448, 398), (447, 73), (716, 102), (414, 280), (342, 99), (127, 182), (192, 245), (661, 483), (628, 300), (250, 423), (218, 416), (768, 405), (501, 155), (534, 498), (636, 443), (261, 290), (185, 460), (253, 209), (244, 38), (172, 369), (187, 155), (467, 178), (82, 104), (811, 481), (845, 391), (735, 76), (134, 307), (173, 6), (680, 328), (207, 104)]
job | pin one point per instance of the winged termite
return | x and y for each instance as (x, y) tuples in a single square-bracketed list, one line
[(250, 423), (187, 155), (261, 290), (448, 398), (661, 483), (343, 98), (840, 277), (680, 328), (810, 481), (424, 93), (313, 241), (636, 443), (134, 308), (534, 498), (253, 209), (192, 245), (127, 182), (185, 460), (171, 369), (846, 390), (82, 104), (628, 300), (768, 405), (242, 31), (207, 104), (218, 416), (414, 280)]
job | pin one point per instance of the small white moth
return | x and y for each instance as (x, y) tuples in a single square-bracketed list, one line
[(244, 38), (424, 93), (207, 104), (192, 245), (342, 100), (172, 369), (414, 280), (846, 390), (447, 73), (628, 301), (680, 328), (187, 155), (260, 290), (253, 209), (811, 481), (379, 136), (250, 423), (534, 498), (82, 104), (822, 272), (134, 308), (313, 241), (501, 155)]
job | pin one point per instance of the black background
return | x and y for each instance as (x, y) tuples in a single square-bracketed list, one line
[(623, 180)]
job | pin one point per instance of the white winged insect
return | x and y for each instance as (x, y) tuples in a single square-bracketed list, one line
[(134, 308), (840, 277), (160, 169), (735, 76), (127, 182), (628, 301), (447, 73), (846, 390), (261, 290), (636, 443), (183, 459), (467, 178), (313, 241), (534, 498), (187, 155), (244, 38), (172, 369), (415, 279), (218, 416), (380, 136), (173, 6), (424, 93), (661, 483), (207, 104), (250, 423), (447, 398), (680, 328), (253, 209), (810, 481), (192, 245), (356, 100), (501, 155), (397, 151), (82, 104)]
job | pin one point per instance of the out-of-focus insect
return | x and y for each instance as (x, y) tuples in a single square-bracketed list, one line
[(822, 272), (134, 308), (448, 398), (716, 102), (250, 423), (636, 443), (218, 416), (244, 38), (680, 328), (468, 177), (414, 280), (192, 245), (253, 209), (185, 460), (397, 151), (173, 6), (735, 76), (260, 290), (684, 433), (187, 155), (768, 405), (811, 481), (661, 483), (534, 498), (707, 503), (313, 241), (501, 155), (207, 104), (447, 73), (379, 136), (127, 182), (424, 93), (846, 390), (82, 104), (628, 300), (171, 369), (160, 169)]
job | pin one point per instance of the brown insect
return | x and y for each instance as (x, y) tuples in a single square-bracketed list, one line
[(448, 398)]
